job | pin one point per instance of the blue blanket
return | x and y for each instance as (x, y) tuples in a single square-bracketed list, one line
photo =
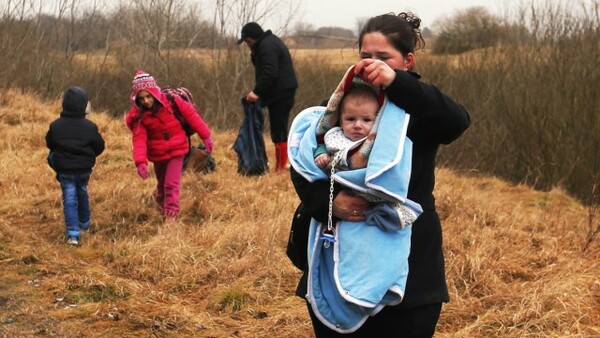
[(367, 266)]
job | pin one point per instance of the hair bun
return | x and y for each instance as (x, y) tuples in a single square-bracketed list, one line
[(412, 19)]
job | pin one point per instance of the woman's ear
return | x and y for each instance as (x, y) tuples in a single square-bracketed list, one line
[(409, 61)]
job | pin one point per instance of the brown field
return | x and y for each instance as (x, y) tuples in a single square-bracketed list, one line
[(515, 265), (334, 56)]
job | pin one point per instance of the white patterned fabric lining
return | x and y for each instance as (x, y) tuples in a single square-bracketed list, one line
[(335, 140), (407, 216)]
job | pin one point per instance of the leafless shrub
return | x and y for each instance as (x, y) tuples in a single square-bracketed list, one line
[(593, 214), (533, 104)]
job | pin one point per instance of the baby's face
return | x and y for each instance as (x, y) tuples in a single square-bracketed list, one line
[(358, 117)]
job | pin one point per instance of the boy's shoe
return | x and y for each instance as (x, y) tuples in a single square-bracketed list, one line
[(72, 240)]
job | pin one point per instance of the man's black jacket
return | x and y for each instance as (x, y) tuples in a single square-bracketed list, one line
[(274, 73)]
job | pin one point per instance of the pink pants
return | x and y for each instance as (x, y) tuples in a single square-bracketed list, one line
[(168, 175)]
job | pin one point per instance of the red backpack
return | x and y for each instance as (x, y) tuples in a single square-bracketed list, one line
[(186, 95), (197, 159)]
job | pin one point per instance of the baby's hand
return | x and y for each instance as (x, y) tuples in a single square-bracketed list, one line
[(322, 160)]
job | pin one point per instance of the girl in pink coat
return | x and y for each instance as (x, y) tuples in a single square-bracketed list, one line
[(159, 137)]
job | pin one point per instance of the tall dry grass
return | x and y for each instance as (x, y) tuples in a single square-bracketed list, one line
[(515, 267)]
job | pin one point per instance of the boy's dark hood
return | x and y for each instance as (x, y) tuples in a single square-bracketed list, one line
[(75, 102)]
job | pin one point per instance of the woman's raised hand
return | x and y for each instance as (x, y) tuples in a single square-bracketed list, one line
[(375, 71)]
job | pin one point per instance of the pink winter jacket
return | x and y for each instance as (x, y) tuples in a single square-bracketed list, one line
[(159, 136)]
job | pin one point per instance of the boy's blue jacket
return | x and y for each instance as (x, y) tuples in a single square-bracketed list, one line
[(367, 266)]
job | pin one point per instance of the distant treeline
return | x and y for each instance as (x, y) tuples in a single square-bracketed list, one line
[(532, 94)]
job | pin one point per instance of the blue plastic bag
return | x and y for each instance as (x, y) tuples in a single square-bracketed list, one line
[(249, 144)]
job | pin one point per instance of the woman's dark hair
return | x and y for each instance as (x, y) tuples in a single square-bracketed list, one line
[(401, 30)]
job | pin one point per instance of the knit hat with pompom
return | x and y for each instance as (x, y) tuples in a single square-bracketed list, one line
[(142, 80)]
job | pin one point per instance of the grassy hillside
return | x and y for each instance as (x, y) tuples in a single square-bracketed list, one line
[(514, 256)]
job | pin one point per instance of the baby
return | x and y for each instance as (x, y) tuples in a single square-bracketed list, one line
[(358, 111)]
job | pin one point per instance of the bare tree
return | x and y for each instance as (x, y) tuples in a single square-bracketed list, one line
[(470, 29), (229, 61)]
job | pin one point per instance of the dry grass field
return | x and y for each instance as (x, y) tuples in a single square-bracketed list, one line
[(515, 265), (334, 56)]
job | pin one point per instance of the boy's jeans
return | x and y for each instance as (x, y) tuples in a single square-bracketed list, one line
[(75, 202)]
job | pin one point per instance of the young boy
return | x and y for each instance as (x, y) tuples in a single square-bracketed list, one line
[(74, 144), (358, 110)]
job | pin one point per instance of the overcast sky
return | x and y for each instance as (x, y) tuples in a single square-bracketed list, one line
[(347, 13), (344, 13), (339, 13)]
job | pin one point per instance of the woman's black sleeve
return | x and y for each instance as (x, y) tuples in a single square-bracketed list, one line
[(437, 117), (314, 195)]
